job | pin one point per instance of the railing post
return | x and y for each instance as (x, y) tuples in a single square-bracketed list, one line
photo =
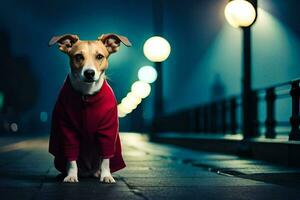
[(233, 123), (196, 119), (270, 121), (206, 118), (201, 119), (255, 121), (213, 117), (210, 116), (295, 118), (193, 119), (223, 116)]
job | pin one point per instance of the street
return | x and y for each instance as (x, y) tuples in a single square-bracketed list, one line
[(154, 171)]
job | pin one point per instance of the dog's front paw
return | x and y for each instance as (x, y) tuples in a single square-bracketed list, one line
[(71, 179), (107, 178), (72, 172), (105, 175)]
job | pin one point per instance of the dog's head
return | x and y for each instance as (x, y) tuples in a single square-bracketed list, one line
[(89, 59)]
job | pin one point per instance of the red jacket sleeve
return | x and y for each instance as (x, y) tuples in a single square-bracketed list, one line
[(67, 134), (107, 133)]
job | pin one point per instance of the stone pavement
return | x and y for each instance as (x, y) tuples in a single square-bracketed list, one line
[(154, 171)]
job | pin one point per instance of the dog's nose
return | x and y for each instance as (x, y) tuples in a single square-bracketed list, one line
[(89, 74)]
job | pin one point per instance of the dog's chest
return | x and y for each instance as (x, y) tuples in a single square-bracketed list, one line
[(85, 115)]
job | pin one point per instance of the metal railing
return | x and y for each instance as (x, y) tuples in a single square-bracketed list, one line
[(222, 116)]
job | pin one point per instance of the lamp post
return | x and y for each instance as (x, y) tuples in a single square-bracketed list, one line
[(157, 49), (242, 14)]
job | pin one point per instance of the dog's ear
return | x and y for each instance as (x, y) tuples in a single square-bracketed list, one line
[(112, 41), (65, 42)]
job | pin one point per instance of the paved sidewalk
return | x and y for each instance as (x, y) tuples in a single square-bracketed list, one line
[(153, 171)]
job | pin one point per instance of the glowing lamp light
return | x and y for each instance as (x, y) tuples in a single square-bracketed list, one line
[(122, 108), (240, 13), (147, 74), (157, 49), (141, 89), (131, 97), (129, 104), (121, 114)]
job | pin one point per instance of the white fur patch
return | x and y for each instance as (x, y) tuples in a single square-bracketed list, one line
[(97, 73), (105, 175), (72, 169), (84, 87)]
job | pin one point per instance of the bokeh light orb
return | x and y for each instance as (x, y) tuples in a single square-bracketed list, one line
[(122, 108), (121, 114), (157, 49), (129, 104), (14, 127), (240, 13), (131, 97), (147, 74), (141, 89)]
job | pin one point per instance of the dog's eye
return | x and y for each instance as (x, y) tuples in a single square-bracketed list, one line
[(99, 56), (79, 57)]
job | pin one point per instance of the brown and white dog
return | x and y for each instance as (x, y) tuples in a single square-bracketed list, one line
[(88, 59), (88, 62)]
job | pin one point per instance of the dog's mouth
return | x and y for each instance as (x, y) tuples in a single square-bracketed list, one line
[(86, 80), (89, 80), (92, 80)]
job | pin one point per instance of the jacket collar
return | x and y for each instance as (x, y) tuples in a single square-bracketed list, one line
[(85, 98)]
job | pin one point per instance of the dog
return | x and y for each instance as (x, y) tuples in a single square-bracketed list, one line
[(84, 138)]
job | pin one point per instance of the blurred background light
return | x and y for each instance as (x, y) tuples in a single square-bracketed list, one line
[(126, 102), (147, 74), (123, 108), (131, 97), (121, 115), (157, 49), (141, 89), (14, 127), (240, 13), (43, 116), (1, 100)]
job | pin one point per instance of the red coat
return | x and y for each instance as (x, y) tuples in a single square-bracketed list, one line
[(85, 128)]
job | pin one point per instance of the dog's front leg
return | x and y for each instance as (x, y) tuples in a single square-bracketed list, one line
[(72, 170), (105, 175)]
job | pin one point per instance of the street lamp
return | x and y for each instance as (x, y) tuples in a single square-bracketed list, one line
[(242, 14), (157, 49)]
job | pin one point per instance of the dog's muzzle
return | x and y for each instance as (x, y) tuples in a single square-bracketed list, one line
[(89, 75)]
